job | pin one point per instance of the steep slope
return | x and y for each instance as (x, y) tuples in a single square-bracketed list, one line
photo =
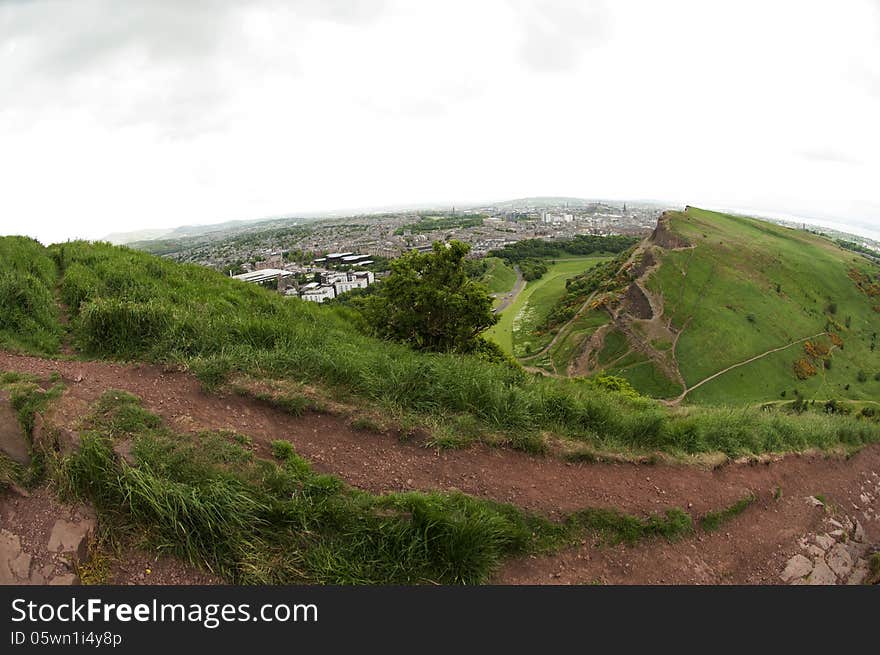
[(127, 305), (29, 318), (736, 310)]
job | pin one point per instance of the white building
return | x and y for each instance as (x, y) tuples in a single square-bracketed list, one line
[(348, 285), (345, 282), (319, 293), (550, 217)]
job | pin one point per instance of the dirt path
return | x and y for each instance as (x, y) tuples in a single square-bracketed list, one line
[(753, 548), (678, 400), (512, 295), (382, 463)]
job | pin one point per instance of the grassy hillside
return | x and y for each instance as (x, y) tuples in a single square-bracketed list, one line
[(499, 277), (749, 287), (519, 329), (133, 306), (29, 320), (731, 289)]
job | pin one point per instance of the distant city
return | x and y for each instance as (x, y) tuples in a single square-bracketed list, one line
[(319, 259)]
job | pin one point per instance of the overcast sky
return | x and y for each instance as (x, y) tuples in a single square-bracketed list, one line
[(121, 115)]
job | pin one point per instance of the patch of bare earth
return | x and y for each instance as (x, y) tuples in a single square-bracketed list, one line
[(751, 548), (44, 541)]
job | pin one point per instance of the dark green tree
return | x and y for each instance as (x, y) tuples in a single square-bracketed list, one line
[(429, 302)]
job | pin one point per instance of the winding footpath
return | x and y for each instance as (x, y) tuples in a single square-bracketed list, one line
[(676, 401), (513, 294), (383, 463)]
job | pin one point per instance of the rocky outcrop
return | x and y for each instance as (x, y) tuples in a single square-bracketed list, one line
[(839, 554), (636, 303), (53, 429), (14, 443), (43, 542), (664, 237), (646, 261)]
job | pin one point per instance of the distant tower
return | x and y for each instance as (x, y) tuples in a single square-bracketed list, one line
[(624, 208)]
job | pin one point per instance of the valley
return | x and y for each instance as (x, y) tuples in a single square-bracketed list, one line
[(658, 410)]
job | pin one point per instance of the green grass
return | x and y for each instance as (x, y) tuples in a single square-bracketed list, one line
[(571, 344), (11, 472), (748, 287), (714, 520), (615, 527), (28, 395), (874, 569), (650, 380), (29, 318), (499, 277), (516, 331), (134, 306), (258, 521)]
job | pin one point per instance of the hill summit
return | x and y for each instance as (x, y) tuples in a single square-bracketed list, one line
[(723, 309)]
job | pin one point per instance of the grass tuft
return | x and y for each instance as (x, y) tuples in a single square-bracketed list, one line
[(714, 520), (616, 527), (206, 498)]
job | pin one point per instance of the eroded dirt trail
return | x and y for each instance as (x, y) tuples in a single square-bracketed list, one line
[(382, 463)]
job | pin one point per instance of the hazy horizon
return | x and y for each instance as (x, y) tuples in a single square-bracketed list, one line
[(118, 117)]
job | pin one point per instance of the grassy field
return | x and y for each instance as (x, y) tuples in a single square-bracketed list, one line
[(749, 287), (127, 305), (515, 331), (499, 277)]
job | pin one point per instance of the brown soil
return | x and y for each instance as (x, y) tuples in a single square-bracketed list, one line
[(31, 518), (382, 463)]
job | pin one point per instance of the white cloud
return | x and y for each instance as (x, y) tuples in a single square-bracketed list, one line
[(140, 114)]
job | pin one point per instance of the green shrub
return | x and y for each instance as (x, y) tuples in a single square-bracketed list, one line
[(282, 449)]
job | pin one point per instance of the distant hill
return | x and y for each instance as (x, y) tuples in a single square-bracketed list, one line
[(722, 309), (122, 238), (188, 231)]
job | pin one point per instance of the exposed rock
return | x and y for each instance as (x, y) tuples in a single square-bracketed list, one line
[(646, 261), (52, 437), (666, 238), (822, 575), (859, 532), (814, 551), (123, 449), (840, 561), (14, 562), (72, 537), (637, 303), (825, 541), (797, 567), (13, 441), (858, 576), (65, 579), (815, 502), (21, 566)]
